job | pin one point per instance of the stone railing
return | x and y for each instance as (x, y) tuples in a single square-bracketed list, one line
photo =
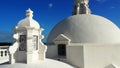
[(4, 55)]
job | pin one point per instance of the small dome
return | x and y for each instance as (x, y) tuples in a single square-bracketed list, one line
[(29, 21), (48, 63), (86, 28)]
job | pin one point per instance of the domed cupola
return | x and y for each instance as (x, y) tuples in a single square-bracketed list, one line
[(28, 46), (29, 21), (84, 27)]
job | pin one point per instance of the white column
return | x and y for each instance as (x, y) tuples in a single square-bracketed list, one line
[(29, 53), (29, 57), (12, 60)]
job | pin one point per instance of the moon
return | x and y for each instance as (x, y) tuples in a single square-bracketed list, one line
[(50, 5)]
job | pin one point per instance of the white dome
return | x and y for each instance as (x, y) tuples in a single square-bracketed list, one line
[(48, 63), (28, 22), (86, 28)]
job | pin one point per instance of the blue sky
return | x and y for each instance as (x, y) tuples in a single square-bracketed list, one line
[(49, 12)]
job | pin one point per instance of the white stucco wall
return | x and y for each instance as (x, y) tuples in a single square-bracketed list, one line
[(3, 57), (101, 56), (75, 55), (52, 51), (35, 54), (20, 56)]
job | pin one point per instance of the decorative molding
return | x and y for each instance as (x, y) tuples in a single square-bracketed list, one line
[(41, 36), (62, 39)]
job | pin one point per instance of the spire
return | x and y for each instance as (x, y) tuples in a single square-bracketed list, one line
[(29, 13), (81, 7)]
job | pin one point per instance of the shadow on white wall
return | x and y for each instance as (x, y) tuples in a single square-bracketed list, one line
[(112, 66)]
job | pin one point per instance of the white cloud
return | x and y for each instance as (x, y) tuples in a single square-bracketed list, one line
[(50, 5)]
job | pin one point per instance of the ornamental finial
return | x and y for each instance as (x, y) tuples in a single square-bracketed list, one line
[(29, 13)]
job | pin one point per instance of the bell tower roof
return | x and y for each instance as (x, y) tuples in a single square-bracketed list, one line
[(29, 21)]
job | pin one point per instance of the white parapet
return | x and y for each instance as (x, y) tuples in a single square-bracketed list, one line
[(4, 56)]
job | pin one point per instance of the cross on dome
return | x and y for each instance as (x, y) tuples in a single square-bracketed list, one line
[(29, 13)]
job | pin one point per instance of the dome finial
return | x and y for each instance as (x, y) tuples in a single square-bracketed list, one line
[(81, 7), (29, 13)]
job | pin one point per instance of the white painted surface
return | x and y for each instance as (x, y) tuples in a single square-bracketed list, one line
[(102, 56), (4, 57), (62, 39), (20, 56), (75, 55), (86, 28), (4, 60), (48, 63), (28, 21), (90, 55), (52, 51), (29, 35)]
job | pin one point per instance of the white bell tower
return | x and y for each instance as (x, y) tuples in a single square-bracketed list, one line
[(28, 47), (81, 7)]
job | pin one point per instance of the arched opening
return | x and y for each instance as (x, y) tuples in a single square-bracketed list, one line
[(1, 53), (23, 42), (5, 53), (35, 42), (62, 50)]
